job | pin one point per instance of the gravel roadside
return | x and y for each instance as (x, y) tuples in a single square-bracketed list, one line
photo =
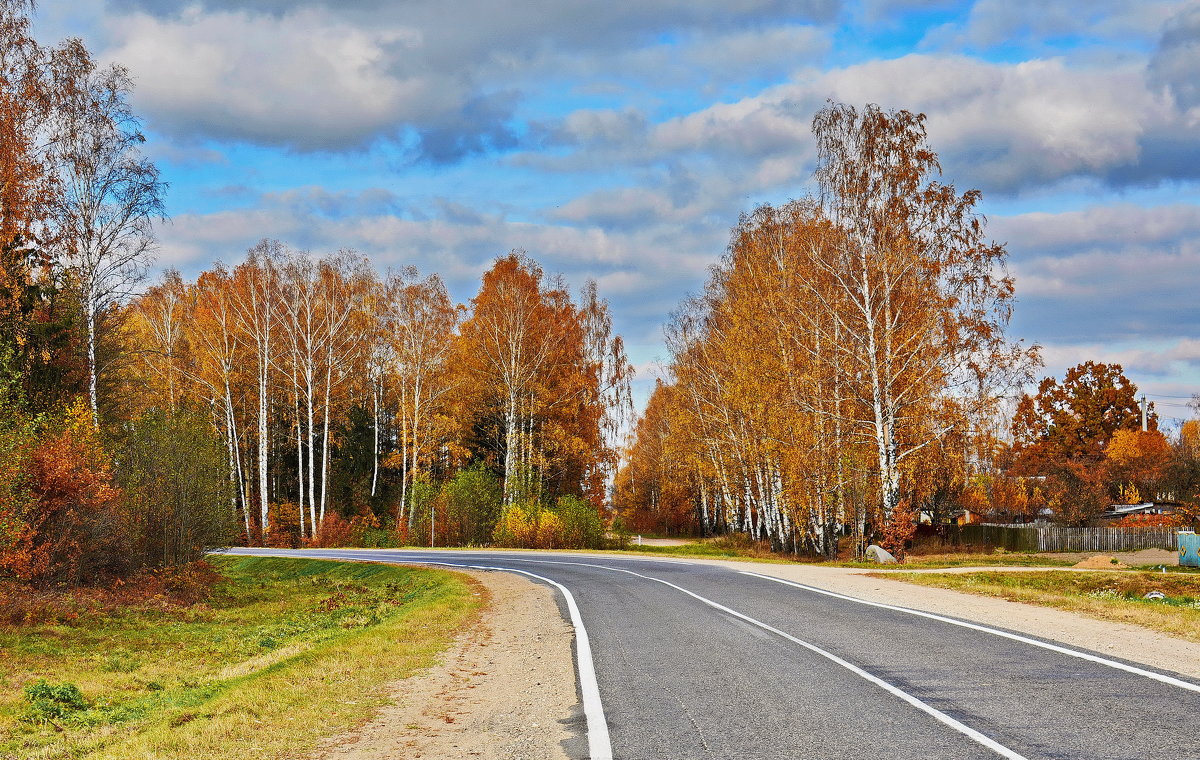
[(505, 690)]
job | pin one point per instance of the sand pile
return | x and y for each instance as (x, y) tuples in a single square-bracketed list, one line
[(1102, 562)]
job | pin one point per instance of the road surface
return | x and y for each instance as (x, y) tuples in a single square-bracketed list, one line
[(686, 660)]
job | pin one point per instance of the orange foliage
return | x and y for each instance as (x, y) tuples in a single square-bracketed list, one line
[(1138, 457), (74, 528), (337, 531), (1150, 521)]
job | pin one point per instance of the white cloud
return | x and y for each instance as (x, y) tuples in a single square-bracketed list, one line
[(338, 75)]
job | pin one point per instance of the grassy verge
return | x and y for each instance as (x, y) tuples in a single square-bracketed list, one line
[(998, 559), (1116, 596), (284, 652), (726, 548)]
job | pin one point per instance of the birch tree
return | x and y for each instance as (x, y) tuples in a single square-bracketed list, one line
[(926, 297), (255, 311), (421, 324), (111, 194)]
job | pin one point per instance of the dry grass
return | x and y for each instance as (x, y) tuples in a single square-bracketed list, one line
[(286, 652), (1115, 596)]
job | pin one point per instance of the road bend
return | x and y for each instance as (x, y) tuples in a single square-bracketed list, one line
[(679, 659)]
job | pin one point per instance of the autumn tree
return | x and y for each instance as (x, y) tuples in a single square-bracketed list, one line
[(1137, 463), (925, 302), (111, 194), (419, 321), (538, 382), (1075, 419), (1063, 432), (848, 351), (254, 302)]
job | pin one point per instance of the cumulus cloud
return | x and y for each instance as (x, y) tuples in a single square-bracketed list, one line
[(1031, 23), (1122, 272), (1002, 127), (320, 76)]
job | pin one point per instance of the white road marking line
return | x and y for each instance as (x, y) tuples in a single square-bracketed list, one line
[(994, 631), (937, 714), (599, 743)]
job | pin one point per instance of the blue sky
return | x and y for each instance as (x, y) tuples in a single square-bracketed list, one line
[(621, 140)]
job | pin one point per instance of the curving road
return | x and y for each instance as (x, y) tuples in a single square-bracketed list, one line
[(699, 661)]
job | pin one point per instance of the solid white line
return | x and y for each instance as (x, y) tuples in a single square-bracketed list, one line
[(599, 743), (994, 631), (937, 714)]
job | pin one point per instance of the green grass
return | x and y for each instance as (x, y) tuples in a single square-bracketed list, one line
[(285, 651), (1116, 595), (939, 561)]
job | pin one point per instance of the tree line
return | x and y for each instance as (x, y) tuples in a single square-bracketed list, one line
[(847, 370), (335, 390), (291, 398)]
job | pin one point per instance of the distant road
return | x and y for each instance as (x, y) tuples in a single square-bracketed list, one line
[(698, 661)]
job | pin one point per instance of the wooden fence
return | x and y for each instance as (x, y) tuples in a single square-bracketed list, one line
[(1054, 538)]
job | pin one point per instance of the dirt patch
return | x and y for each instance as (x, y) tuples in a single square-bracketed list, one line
[(504, 689), (1133, 559), (1102, 562)]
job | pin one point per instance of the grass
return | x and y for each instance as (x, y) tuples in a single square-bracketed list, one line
[(972, 559), (1116, 596), (738, 548), (284, 652)]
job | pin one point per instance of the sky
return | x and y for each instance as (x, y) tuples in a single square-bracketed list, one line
[(621, 140)]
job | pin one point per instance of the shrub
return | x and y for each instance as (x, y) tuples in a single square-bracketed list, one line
[(50, 701), (549, 531), (581, 524), (337, 531), (174, 471), (472, 500), (518, 526), (75, 529)]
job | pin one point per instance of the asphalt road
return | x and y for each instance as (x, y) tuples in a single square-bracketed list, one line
[(698, 661)]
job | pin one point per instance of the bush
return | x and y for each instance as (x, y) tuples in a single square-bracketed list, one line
[(337, 531), (572, 524), (50, 701), (422, 496), (549, 531), (517, 527), (174, 471), (581, 524), (472, 500), (71, 527)]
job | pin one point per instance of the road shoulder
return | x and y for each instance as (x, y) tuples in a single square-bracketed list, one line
[(1121, 640), (504, 689)]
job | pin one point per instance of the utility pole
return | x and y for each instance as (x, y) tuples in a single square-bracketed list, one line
[(1144, 425)]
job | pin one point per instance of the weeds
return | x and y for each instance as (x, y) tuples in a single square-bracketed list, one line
[(53, 701)]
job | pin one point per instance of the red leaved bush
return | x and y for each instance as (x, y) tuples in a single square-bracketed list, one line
[(900, 529), (71, 528), (1150, 521), (336, 530)]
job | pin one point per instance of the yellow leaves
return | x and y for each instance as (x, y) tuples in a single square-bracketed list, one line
[(1135, 447)]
